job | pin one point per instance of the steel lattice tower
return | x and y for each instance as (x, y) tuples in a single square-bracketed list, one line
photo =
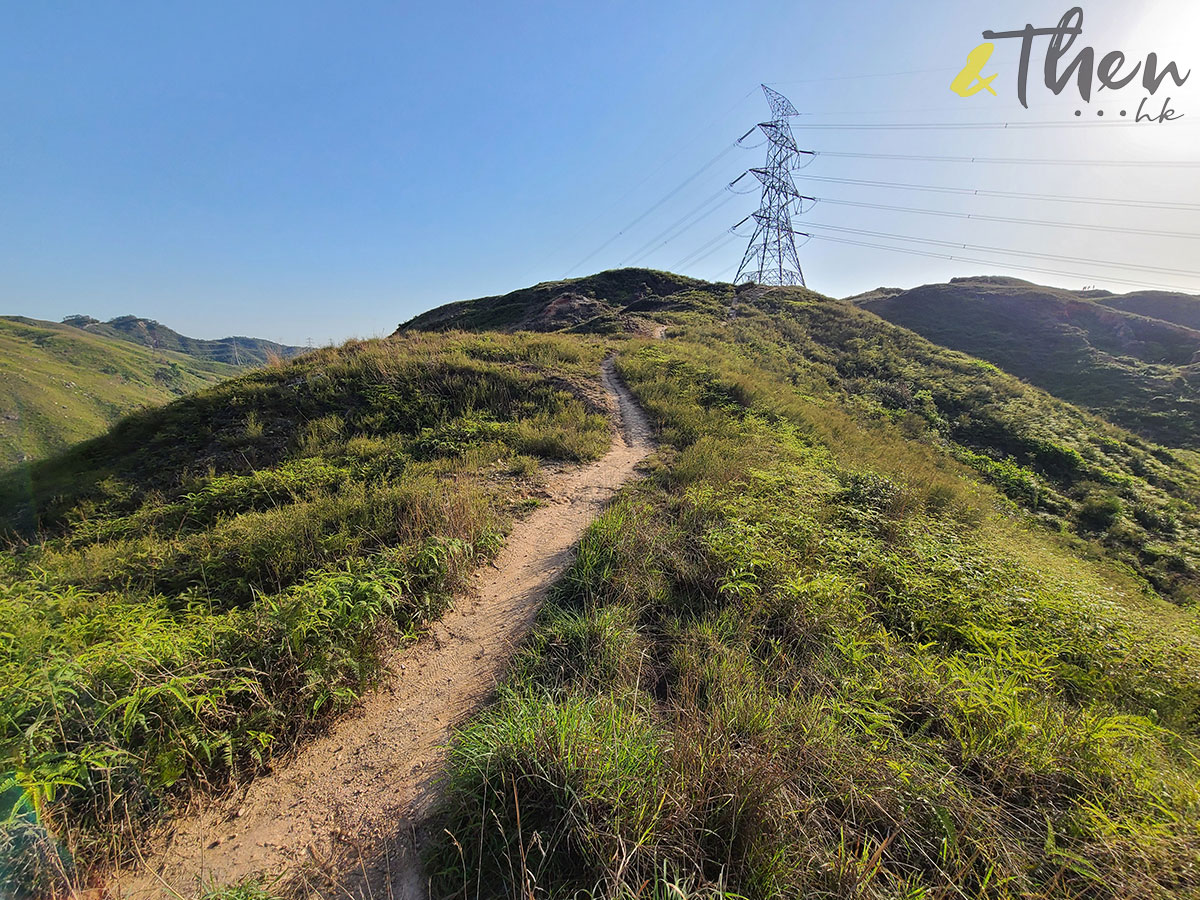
[(771, 257)]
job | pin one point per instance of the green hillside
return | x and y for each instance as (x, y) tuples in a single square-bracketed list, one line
[(59, 385), (1101, 353), (878, 620), (609, 302), (187, 595), (241, 352), (1182, 309), (1058, 462)]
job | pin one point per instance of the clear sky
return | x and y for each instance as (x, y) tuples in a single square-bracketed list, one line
[(299, 170)]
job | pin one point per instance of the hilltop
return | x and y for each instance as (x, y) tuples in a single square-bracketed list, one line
[(240, 352), (616, 301), (876, 619), (1050, 456), (59, 385), (1134, 359)]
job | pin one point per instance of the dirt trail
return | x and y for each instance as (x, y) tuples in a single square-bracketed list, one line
[(347, 807)]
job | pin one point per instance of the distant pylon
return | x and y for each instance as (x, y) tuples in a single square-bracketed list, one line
[(771, 256)]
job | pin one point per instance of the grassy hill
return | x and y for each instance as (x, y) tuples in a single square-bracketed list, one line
[(1055, 460), (1101, 352), (185, 596), (241, 352), (880, 620), (1182, 309), (59, 385), (610, 302)]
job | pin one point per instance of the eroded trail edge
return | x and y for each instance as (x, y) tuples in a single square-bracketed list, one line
[(345, 808)]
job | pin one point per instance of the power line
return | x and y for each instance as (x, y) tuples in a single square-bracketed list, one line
[(1012, 220), (989, 262), (867, 75), (704, 168), (673, 226), (685, 223), (723, 239), (703, 251), (1004, 251), (722, 273), (655, 170), (957, 126), (679, 227), (1008, 160), (958, 108), (1017, 195)]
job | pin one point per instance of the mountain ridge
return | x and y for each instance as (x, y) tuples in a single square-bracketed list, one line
[(1169, 306), (1101, 352), (234, 350), (59, 385)]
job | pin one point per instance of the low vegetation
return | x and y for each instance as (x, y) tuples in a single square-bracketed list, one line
[(1111, 492), (187, 596), (614, 301), (1167, 306), (879, 620), (1057, 463), (809, 657)]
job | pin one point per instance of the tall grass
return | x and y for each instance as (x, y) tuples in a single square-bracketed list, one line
[(185, 598), (786, 665)]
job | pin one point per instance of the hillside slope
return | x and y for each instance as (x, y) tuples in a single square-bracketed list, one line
[(188, 595), (1131, 500), (1181, 309), (59, 385), (815, 655), (241, 352), (1141, 373), (880, 620), (389, 782)]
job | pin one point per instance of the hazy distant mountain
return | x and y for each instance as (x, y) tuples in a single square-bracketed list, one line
[(233, 351), (1134, 358)]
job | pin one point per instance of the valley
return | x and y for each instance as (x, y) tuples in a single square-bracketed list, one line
[(66, 382)]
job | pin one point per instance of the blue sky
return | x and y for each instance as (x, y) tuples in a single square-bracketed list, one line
[(316, 170)]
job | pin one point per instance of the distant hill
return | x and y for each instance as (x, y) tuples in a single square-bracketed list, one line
[(60, 384), (1182, 309), (1100, 351), (242, 352)]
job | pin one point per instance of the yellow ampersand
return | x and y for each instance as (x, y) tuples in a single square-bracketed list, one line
[(970, 80)]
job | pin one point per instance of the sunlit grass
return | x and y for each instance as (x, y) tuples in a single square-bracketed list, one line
[(792, 663), (185, 598)]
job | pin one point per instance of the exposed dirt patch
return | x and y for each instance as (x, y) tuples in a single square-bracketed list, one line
[(344, 812)]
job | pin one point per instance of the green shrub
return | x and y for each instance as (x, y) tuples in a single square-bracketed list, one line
[(1099, 511)]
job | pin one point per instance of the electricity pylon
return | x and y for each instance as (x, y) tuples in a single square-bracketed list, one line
[(771, 257)]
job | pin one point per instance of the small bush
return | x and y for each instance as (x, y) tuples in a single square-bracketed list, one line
[(1099, 511)]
